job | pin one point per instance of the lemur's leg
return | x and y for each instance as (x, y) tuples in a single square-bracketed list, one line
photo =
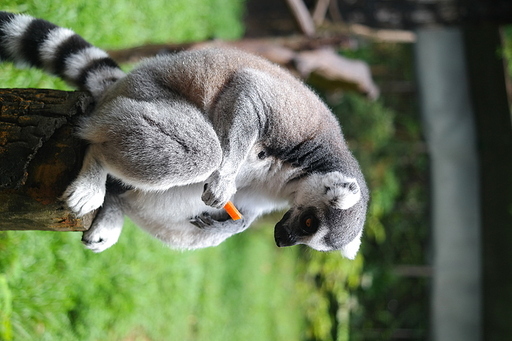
[(86, 193), (107, 225), (149, 146), (208, 230), (239, 118), (160, 145)]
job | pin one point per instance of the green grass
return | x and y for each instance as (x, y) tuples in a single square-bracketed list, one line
[(114, 24), (51, 288)]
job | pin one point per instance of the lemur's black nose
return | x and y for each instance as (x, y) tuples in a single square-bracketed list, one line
[(282, 237)]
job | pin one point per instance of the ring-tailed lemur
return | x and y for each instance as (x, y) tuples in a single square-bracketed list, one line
[(185, 133)]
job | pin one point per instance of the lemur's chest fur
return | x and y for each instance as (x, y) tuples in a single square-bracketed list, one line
[(261, 185)]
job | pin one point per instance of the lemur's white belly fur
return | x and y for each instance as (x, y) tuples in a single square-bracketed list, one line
[(172, 209)]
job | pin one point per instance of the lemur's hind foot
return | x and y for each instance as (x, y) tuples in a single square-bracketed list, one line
[(87, 192)]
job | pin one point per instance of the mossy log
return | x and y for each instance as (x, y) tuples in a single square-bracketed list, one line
[(39, 157)]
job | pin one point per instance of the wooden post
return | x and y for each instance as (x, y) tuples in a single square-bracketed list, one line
[(494, 130), (39, 157)]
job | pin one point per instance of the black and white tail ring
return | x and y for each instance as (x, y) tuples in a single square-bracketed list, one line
[(28, 41)]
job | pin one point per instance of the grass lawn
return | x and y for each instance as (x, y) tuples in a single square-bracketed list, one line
[(51, 288)]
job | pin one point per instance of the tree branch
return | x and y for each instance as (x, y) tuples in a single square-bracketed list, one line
[(302, 16), (39, 156)]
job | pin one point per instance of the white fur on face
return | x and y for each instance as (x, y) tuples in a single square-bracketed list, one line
[(335, 189), (317, 240), (342, 191), (350, 250)]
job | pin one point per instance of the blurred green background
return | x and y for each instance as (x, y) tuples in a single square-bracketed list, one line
[(51, 288)]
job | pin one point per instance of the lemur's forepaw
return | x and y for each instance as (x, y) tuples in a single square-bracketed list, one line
[(83, 197), (206, 221), (217, 191), (203, 221)]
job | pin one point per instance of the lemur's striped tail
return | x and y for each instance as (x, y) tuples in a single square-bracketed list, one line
[(35, 42)]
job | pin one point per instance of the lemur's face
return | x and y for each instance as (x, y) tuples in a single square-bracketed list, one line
[(328, 214)]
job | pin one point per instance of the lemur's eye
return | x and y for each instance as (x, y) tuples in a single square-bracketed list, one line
[(309, 224)]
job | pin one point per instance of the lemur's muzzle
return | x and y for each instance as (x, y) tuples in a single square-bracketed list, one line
[(282, 234)]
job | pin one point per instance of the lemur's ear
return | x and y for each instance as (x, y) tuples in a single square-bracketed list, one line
[(341, 191), (350, 250)]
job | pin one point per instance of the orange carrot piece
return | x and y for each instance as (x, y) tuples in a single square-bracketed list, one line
[(232, 211)]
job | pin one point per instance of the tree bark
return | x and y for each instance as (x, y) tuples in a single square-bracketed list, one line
[(39, 157)]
